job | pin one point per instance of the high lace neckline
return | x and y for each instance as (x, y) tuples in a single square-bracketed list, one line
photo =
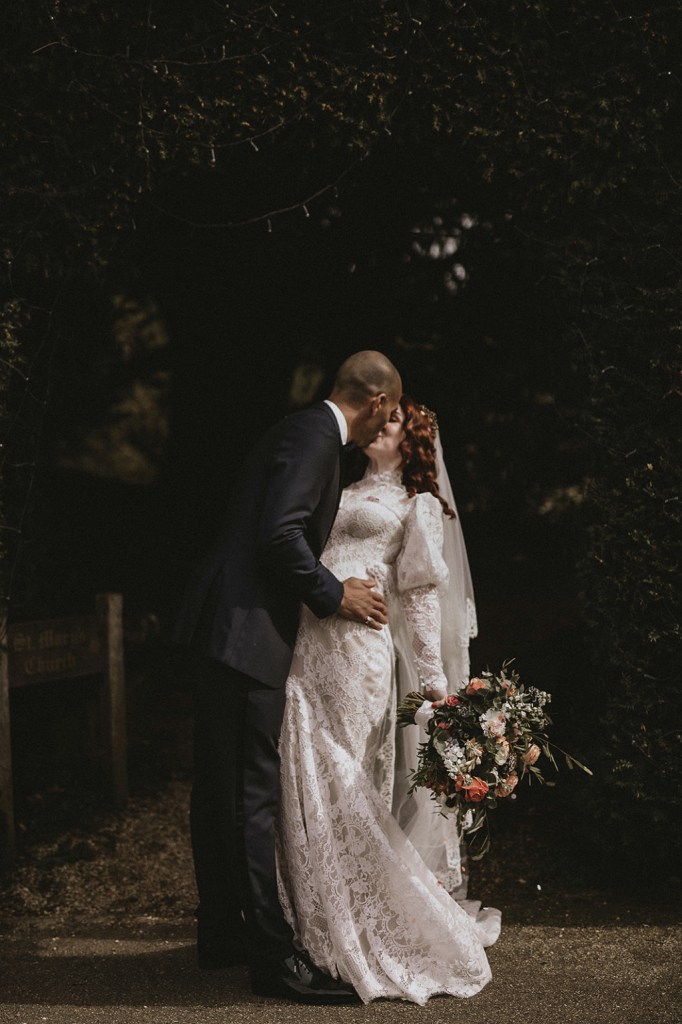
[(388, 476)]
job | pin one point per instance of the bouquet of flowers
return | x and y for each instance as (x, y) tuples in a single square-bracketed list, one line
[(482, 741)]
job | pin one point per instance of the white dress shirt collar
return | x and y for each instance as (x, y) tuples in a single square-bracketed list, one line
[(340, 419)]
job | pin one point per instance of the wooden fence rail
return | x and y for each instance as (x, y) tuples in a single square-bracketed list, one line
[(66, 648)]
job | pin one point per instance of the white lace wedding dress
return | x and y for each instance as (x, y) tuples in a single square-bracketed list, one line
[(359, 897)]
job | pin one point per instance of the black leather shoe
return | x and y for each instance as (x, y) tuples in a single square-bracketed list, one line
[(296, 977)]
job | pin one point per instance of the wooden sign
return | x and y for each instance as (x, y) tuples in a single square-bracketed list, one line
[(39, 652), (55, 649)]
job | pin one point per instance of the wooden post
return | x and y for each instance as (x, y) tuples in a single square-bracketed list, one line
[(67, 648), (110, 614), (7, 841)]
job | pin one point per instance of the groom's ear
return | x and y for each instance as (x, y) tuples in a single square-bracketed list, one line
[(377, 402)]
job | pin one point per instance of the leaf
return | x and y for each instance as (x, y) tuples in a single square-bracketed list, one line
[(573, 761)]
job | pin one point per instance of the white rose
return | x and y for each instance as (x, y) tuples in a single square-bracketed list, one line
[(494, 723)]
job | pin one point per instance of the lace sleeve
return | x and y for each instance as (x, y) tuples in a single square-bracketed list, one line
[(422, 614), (420, 561), (421, 572)]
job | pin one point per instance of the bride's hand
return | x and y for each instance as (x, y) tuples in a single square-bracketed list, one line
[(362, 603)]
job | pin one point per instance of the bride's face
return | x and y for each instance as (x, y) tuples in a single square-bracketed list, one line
[(387, 442)]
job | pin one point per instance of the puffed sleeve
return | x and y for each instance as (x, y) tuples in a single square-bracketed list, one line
[(420, 562), (421, 571)]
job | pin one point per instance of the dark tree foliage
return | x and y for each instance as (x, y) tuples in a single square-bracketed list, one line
[(556, 123)]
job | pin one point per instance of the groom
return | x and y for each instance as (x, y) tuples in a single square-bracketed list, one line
[(240, 617)]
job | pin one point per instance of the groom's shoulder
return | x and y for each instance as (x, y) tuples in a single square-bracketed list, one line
[(310, 426), (320, 413)]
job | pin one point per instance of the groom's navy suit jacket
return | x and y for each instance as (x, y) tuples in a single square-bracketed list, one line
[(243, 603)]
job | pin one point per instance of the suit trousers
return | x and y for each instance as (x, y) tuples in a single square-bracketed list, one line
[(234, 807)]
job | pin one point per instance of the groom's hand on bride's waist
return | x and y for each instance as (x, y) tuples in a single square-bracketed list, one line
[(362, 603)]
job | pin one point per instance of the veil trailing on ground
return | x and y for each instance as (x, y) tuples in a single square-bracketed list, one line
[(434, 836)]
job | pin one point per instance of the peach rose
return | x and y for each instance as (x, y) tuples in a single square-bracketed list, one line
[(475, 685), (531, 755), (474, 790), (477, 791), (508, 785), (451, 700)]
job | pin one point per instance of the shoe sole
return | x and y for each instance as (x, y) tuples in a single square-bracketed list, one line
[(303, 995)]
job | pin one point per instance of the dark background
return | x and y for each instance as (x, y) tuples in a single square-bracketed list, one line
[(197, 236)]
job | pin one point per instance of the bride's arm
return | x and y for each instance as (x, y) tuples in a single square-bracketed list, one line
[(420, 572), (422, 615)]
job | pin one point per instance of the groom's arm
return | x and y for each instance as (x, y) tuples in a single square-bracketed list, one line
[(302, 466)]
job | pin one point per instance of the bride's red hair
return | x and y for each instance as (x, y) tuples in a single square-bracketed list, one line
[(418, 450)]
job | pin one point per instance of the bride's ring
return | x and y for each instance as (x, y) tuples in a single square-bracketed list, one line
[(368, 620)]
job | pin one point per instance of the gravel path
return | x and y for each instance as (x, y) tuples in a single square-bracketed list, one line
[(97, 927)]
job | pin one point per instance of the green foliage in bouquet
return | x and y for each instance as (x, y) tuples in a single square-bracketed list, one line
[(482, 742)]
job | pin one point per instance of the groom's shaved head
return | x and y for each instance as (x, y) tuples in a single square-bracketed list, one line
[(364, 375)]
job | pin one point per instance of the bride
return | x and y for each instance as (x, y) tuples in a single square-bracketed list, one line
[(361, 899)]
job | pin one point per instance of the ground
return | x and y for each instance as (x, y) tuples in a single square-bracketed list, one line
[(98, 927)]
